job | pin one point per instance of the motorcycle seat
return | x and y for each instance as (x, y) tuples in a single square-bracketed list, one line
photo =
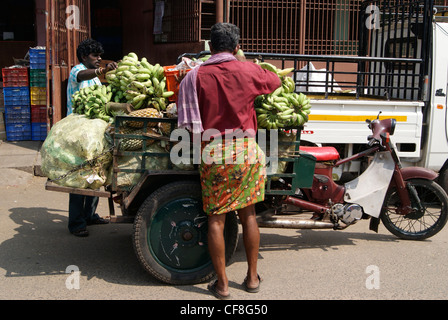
[(322, 153)]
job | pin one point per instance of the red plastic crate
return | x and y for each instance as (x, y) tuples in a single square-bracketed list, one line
[(38, 113), (171, 82), (15, 77)]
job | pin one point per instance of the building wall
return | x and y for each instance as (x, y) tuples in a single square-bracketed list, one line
[(138, 23)]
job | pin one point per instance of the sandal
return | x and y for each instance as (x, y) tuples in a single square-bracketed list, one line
[(212, 288), (252, 290), (81, 233), (98, 221)]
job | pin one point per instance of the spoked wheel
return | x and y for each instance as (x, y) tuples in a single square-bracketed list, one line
[(429, 211), (170, 235)]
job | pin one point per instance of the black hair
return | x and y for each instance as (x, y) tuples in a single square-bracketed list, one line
[(224, 37), (87, 47)]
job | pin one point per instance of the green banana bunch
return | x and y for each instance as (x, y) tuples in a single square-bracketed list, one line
[(283, 107), (139, 83), (91, 101)]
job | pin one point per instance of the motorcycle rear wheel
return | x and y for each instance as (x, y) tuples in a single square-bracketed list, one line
[(420, 223)]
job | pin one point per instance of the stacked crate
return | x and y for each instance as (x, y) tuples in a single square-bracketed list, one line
[(38, 91), (2, 115), (16, 95)]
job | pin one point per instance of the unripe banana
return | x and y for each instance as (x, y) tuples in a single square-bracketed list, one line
[(167, 94), (142, 76), (133, 55), (123, 68), (138, 98), (284, 72), (268, 66)]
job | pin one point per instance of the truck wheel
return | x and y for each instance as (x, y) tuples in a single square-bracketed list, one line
[(170, 235)]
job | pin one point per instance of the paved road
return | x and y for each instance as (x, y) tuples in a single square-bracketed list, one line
[(36, 250)]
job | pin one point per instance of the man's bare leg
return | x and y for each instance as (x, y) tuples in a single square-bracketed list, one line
[(251, 237), (217, 249)]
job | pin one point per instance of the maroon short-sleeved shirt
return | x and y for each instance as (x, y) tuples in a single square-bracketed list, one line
[(226, 94)]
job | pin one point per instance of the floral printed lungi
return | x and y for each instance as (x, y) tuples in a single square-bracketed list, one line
[(233, 174)]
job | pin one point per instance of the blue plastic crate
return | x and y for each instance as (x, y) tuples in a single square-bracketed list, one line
[(38, 131), (16, 96), (37, 52), (17, 114), (38, 65), (37, 58), (18, 132)]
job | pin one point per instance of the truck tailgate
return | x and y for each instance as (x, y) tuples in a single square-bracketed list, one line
[(343, 121)]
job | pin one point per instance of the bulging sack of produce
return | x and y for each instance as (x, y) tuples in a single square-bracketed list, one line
[(76, 153)]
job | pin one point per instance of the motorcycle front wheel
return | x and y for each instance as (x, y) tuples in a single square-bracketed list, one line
[(429, 211)]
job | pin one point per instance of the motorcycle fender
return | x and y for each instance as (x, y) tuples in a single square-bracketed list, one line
[(369, 189), (418, 173)]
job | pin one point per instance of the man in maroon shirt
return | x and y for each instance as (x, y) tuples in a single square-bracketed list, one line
[(226, 92), (218, 97)]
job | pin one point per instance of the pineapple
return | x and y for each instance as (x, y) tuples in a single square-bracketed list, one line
[(165, 128), (135, 144), (146, 113)]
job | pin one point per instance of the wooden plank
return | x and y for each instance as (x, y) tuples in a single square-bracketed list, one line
[(50, 186)]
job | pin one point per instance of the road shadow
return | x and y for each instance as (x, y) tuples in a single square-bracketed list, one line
[(321, 239), (42, 245), (304, 239)]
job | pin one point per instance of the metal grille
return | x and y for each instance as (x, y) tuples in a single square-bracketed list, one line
[(402, 31), (394, 59), (268, 26), (297, 27), (331, 27), (180, 22), (65, 30), (63, 41), (442, 9)]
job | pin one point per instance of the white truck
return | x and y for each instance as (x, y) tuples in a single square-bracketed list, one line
[(401, 72)]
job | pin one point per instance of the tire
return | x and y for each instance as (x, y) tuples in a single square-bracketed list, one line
[(170, 235), (422, 223), (443, 179)]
